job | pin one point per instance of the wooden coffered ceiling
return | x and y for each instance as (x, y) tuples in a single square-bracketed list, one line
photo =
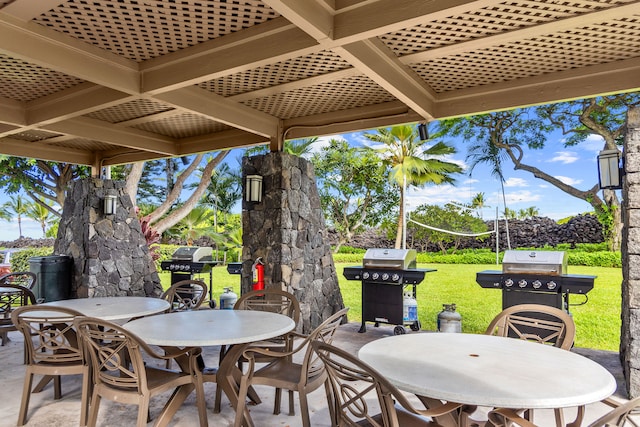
[(104, 82)]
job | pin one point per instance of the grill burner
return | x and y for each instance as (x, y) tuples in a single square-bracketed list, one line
[(531, 277), (384, 275), (186, 261)]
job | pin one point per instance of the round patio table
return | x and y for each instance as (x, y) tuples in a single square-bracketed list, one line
[(113, 308)]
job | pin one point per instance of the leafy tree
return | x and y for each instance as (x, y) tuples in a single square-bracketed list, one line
[(19, 206), (354, 190), (223, 191), (231, 242), (510, 131), (195, 224), (296, 147), (40, 214), (4, 213), (451, 218), (413, 162)]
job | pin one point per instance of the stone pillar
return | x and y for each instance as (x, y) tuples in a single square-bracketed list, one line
[(630, 331), (110, 254), (287, 230)]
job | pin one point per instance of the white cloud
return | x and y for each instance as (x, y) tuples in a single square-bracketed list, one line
[(593, 143), (567, 180), (470, 181), (564, 157), (516, 182), (435, 195)]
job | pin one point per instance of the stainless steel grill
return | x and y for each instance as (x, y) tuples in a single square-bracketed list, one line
[(535, 277), (384, 274)]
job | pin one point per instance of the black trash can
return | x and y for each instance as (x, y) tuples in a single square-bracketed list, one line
[(53, 275)]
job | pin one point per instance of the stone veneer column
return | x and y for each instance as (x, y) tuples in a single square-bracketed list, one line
[(110, 254), (630, 331), (287, 230)]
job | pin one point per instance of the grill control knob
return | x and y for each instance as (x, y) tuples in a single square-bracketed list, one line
[(522, 283), (385, 276), (508, 283), (551, 285), (375, 276), (395, 277), (365, 275), (537, 284)]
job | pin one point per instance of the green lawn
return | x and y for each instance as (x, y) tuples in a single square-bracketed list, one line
[(597, 321)]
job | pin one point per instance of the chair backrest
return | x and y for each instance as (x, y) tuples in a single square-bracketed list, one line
[(49, 334), (325, 332), (621, 415), (353, 385), (13, 297), (535, 322), (273, 300), (186, 295), (22, 278), (115, 355)]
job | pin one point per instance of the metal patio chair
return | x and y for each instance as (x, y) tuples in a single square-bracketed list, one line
[(185, 295), (14, 296)]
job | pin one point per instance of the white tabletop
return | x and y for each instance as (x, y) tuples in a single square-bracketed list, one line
[(210, 327), (488, 370), (113, 308)]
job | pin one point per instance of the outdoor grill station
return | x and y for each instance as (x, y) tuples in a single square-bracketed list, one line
[(189, 260), (536, 277), (387, 275)]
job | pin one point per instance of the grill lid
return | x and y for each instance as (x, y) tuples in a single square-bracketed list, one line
[(397, 259), (193, 254), (553, 263)]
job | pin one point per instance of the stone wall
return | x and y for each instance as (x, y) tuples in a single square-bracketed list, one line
[(110, 254), (287, 230), (630, 331)]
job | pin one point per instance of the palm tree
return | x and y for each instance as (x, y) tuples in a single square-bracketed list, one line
[(296, 147), (223, 192), (195, 224), (41, 214), (5, 214), (412, 162), (18, 206), (478, 203)]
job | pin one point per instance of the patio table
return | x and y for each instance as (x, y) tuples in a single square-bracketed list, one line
[(113, 308), (488, 371), (209, 328)]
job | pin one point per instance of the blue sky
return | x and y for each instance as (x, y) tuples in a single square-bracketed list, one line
[(574, 165)]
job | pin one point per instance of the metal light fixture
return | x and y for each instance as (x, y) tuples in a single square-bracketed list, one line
[(253, 189), (609, 170), (110, 199), (423, 131)]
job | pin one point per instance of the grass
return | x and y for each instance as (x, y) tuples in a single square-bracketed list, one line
[(597, 321)]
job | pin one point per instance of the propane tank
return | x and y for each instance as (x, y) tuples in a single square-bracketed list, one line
[(409, 307), (449, 320), (258, 274), (228, 299)]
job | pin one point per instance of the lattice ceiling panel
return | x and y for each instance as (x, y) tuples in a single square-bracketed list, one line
[(339, 95), (484, 22), (140, 30), (183, 126), (130, 110), (84, 144), (25, 82), (527, 58), (278, 73), (34, 135)]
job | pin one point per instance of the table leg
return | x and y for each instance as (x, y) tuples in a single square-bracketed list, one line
[(228, 378), (446, 420), (173, 404)]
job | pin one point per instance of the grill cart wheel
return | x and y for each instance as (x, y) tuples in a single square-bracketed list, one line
[(399, 330), (415, 326)]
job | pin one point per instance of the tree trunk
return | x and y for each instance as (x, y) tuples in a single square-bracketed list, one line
[(133, 180), (400, 220)]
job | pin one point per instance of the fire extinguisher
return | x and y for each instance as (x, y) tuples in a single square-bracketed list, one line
[(258, 274)]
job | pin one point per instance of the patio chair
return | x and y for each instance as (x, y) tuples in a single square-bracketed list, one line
[(15, 296), (622, 414), (136, 381), (22, 278), (285, 372), (538, 323), (272, 300), (51, 349), (353, 388), (535, 322), (185, 295)]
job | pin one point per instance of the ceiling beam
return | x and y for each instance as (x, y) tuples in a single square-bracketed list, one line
[(218, 108), (310, 16), (224, 140), (56, 51), (12, 112), (378, 63), (38, 150), (26, 10), (100, 130)]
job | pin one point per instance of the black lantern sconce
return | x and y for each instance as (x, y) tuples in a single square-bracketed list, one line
[(253, 189), (110, 202), (610, 171), (423, 131)]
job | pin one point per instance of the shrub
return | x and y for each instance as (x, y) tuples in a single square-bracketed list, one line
[(20, 260)]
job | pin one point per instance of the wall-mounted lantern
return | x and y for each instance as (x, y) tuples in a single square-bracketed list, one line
[(423, 131), (253, 189), (110, 202), (609, 170)]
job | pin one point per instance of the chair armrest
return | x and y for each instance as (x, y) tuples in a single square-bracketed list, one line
[(504, 417)]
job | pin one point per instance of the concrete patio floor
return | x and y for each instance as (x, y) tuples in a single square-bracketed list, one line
[(44, 411)]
